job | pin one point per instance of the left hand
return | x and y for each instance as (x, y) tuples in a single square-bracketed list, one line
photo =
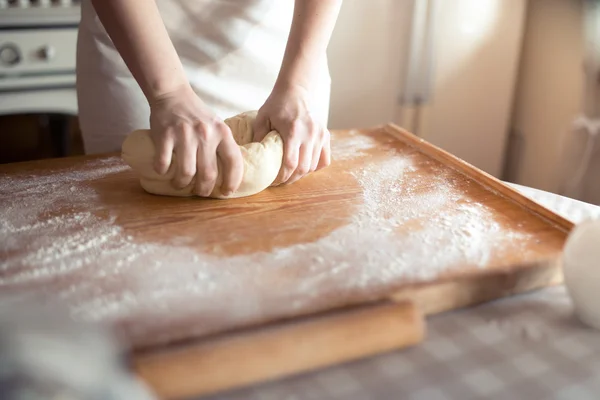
[(306, 142)]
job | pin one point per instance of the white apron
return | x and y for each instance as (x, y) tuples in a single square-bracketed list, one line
[(231, 51)]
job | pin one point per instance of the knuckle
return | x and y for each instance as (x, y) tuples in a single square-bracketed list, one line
[(182, 126), (221, 127), (290, 163), (186, 135), (295, 125), (295, 128), (203, 134), (209, 175), (181, 132), (187, 171), (302, 169), (200, 124), (301, 123), (214, 120), (161, 163), (293, 137)]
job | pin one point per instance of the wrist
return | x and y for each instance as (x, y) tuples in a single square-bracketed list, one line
[(290, 87), (300, 69), (300, 85), (174, 89)]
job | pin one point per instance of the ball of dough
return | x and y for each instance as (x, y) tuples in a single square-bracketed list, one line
[(581, 266), (262, 161)]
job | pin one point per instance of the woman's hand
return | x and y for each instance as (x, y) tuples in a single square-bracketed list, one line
[(182, 124), (179, 121), (306, 141)]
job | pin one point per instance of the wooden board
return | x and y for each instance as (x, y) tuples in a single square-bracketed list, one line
[(277, 350), (392, 211), (392, 216)]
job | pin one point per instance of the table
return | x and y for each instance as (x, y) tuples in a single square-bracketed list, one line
[(529, 346)]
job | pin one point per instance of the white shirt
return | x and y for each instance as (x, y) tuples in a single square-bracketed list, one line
[(231, 51)]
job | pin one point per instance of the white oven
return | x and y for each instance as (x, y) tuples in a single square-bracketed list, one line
[(37, 62)]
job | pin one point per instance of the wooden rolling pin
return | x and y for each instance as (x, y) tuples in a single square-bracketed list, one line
[(267, 353)]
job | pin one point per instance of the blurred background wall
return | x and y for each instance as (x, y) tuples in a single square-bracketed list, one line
[(495, 82)]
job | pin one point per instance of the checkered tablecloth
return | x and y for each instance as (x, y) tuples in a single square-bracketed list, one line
[(526, 347)]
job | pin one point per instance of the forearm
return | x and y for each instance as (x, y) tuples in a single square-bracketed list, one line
[(310, 33), (137, 30)]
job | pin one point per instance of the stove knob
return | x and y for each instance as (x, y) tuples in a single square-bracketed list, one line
[(47, 52), (9, 54)]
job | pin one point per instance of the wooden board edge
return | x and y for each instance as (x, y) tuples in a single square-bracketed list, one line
[(479, 176), (266, 353), (434, 298), (54, 162)]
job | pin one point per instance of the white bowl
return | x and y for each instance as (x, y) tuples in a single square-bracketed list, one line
[(581, 266)]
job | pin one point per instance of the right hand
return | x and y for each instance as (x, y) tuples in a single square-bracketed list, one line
[(181, 123)]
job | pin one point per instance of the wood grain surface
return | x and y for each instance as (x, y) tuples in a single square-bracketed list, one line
[(278, 350), (391, 214)]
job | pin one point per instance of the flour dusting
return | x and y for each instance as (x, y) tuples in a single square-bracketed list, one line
[(352, 145), (145, 287)]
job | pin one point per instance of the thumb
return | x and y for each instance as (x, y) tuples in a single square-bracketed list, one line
[(261, 126)]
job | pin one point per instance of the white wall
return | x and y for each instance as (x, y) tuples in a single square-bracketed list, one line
[(549, 89), (365, 54), (478, 43), (478, 49)]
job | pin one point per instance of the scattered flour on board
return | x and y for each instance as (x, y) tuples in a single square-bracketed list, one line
[(351, 146), (175, 282)]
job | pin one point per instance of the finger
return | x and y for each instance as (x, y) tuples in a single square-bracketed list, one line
[(232, 166), (261, 127), (208, 170), (185, 150), (325, 157), (291, 154), (304, 162), (164, 152), (315, 156)]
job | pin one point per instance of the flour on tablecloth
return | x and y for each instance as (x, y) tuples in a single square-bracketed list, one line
[(176, 282)]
